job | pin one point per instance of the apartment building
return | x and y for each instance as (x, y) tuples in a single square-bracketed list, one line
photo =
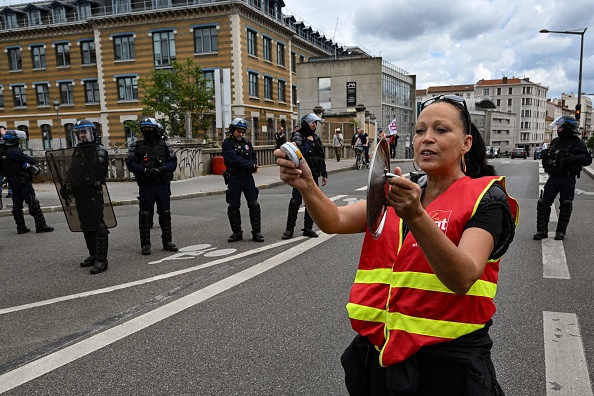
[(570, 100), (89, 56)]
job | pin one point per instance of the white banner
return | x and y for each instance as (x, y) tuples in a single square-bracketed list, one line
[(393, 128)]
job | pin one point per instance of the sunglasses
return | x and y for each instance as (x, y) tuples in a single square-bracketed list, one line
[(454, 99)]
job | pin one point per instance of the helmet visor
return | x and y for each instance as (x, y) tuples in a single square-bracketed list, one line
[(557, 122), (84, 134)]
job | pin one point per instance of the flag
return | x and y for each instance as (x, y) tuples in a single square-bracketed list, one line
[(393, 128)]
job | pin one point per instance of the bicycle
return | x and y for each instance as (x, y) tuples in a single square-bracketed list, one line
[(358, 156)]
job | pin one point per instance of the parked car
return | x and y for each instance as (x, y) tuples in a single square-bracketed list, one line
[(519, 152), (492, 152), (537, 153)]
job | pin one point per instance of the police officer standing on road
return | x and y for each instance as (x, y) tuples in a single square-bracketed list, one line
[(313, 151), (19, 169), (563, 161), (153, 162), (241, 162)]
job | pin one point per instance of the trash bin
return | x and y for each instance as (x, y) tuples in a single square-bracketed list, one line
[(217, 165)]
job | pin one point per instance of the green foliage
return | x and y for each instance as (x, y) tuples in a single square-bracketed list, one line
[(590, 142), (178, 94)]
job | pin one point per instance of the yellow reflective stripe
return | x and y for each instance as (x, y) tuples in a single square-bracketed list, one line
[(430, 282), (378, 275), (430, 327), (368, 314)]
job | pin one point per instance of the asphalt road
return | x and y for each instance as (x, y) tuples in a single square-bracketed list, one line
[(263, 319)]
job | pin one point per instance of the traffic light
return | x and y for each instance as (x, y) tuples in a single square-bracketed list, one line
[(578, 111)]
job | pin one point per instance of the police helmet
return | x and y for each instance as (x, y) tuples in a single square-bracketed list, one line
[(12, 137), (569, 124), (150, 128), (238, 123), (308, 119), (85, 131)]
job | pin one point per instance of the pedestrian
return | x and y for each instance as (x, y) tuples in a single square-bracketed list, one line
[(365, 143), (241, 163), (280, 137), (337, 143), (563, 161), (393, 144), (153, 162), (380, 135), (423, 325), (313, 151), (84, 183), (355, 138), (18, 169)]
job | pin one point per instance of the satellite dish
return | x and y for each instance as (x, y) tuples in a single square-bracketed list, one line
[(378, 188)]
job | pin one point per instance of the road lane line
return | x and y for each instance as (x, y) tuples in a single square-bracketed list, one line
[(554, 263), (71, 353), (565, 362), (334, 198), (148, 280)]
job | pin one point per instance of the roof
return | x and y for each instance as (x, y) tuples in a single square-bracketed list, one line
[(501, 81), (451, 88)]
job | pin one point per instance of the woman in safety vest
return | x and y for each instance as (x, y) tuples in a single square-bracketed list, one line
[(422, 299)]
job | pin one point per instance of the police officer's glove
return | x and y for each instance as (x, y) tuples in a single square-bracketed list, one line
[(151, 173), (66, 192)]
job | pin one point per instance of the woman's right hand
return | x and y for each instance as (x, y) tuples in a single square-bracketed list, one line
[(296, 177)]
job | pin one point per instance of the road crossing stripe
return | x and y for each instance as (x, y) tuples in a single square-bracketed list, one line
[(335, 198), (554, 262)]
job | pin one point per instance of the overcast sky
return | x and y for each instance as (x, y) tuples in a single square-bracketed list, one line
[(463, 41)]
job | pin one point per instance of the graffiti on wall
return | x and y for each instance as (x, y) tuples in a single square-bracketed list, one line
[(189, 162)]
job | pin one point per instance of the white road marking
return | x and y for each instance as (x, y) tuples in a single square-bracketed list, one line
[(554, 262), (334, 198), (565, 363), (50, 362)]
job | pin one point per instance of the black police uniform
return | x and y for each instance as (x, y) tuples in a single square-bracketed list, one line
[(563, 161), (17, 168), (313, 152), (153, 162), (241, 162)]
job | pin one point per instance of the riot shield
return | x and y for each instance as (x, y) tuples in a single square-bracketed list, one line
[(378, 188), (81, 187)]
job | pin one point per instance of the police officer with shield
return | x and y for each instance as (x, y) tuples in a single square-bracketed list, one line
[(19, 169), (563, 161), (241, 162), (153, 162)]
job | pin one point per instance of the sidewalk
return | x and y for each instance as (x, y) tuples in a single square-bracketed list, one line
[(125, 193)]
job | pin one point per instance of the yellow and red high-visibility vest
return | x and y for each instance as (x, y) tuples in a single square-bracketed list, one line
[(399, 303)]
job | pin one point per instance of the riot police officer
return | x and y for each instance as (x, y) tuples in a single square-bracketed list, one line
[(241, 162), (19, 169), (313, 151), (85, 182), (153, 162), (563, 161)]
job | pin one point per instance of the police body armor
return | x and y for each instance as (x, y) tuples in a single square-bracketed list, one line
[(79, 177), (244, 149), (8, 166), (557, 159), (152, 156), (315, 155)]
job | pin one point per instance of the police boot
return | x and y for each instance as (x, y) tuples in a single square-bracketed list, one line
[(235, 221), (144, 226), (308, 226), (165, 223), (22, 229), (291, 218), (35, 211), (565, 209), (543, 211), (101, 257), (255, 220), (91, 241)]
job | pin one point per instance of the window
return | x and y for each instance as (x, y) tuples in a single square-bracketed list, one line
[(42, 91), (129, 128), (205, 40), (509, 102), (59, 14), (25, 129), (510, 91), (293, 62), (87, 53), (498, 102), (63, 54), (19, 95), (10, 20), (161, 4), (281, 91), (121, 6), (124, 47), (486, 91), (38, 57), (46, 135), (268, 87), (84, 10), (498, 91), (209, 76), (294, 94), (163, 48), (68, 130), (280, 54), (127, 88), (324, 91), (253, 84), (67, 92), (1, 97), (251, 42), (15, 61), (34, 17), (91, 91), (267, 48)]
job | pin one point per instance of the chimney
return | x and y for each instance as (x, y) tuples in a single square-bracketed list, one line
[(505, 80)]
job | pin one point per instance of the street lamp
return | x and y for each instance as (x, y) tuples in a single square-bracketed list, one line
[(581, 32), (57, 108)]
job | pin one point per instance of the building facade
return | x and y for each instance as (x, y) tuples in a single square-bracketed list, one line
[(90, 55)]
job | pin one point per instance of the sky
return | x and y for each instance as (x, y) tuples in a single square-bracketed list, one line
[(462, 41)]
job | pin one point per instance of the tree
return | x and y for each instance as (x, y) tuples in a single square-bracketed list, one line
[(183, 96)]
